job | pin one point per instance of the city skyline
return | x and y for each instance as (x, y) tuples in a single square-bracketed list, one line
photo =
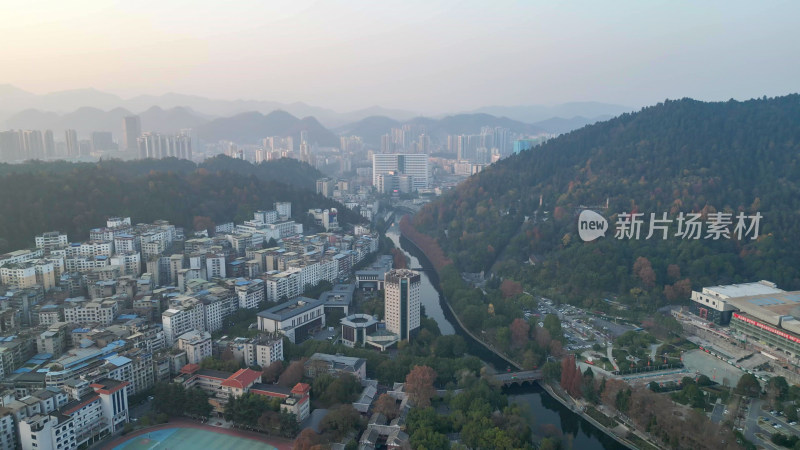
[(429, 58)]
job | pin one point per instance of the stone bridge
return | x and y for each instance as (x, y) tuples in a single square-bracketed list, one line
[(518, 378)]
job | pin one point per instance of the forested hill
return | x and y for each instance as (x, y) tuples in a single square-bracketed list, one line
[(678, 156), (73, 198), (284, 170)]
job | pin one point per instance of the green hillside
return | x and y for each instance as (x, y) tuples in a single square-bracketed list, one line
[(678, 156), (73, 198)]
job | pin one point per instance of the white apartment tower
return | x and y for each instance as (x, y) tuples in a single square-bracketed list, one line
[(415, 165), (402, 288)]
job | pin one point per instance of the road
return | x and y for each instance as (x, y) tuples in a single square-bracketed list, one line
[(751, 426), (611, 356), (718, 412)]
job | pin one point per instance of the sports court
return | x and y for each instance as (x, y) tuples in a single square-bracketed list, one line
[(190, 439)]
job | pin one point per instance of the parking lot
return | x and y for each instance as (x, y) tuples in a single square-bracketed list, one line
[(615, 329)]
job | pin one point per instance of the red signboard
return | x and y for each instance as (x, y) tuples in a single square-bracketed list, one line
[(772, 330)]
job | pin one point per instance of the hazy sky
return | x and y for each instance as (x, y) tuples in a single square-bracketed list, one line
[(426, 56)]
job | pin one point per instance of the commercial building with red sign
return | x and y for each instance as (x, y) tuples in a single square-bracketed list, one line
[(769, 319)]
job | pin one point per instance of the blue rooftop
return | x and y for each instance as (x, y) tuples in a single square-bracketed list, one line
[(118, 361)]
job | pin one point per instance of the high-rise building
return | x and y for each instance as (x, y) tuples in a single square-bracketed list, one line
[(326, 186), (102, 140), (521, 145), (32, 144), (415, 165), (501, 141), (386, 144), (424, 143), (49, 144), (158, 146), (10, 148), (402, 288), (131, 130), (71, 137), (284, 209)]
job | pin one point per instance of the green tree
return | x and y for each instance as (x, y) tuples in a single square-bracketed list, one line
[(426, 438), (777, 389), (340, 421), (748, 385), (551, 370), (552, 324)]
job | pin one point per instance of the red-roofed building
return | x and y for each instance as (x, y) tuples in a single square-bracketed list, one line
[(299, 403), (241, 381), (190, 368), (270, 390), (301, 389)]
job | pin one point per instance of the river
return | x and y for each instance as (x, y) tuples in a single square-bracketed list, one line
[(544, 411)]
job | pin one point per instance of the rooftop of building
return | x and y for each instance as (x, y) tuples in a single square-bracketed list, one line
[(359, 320), (779, 309), (195, 336), (211, 373), (291, 308), (339, 362), (743, 289), (108, 385), (396, 274), (242, 378), (271, 389), (75, 405)]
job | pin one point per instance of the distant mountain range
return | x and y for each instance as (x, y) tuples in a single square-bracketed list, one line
[(87, 119), (14, 101), (372, 128), (251, 127), (592, 111)]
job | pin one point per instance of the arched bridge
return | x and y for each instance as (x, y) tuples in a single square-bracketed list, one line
[(512, 378)]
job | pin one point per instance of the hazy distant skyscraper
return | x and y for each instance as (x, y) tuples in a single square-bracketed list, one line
[(386, 144), (131, 130), (501, 141), (102, 140), (49, 144), (304, 137), (9, 145), (158, 146), (424, 143), (305, 153), (32, 144), (72, 143)]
